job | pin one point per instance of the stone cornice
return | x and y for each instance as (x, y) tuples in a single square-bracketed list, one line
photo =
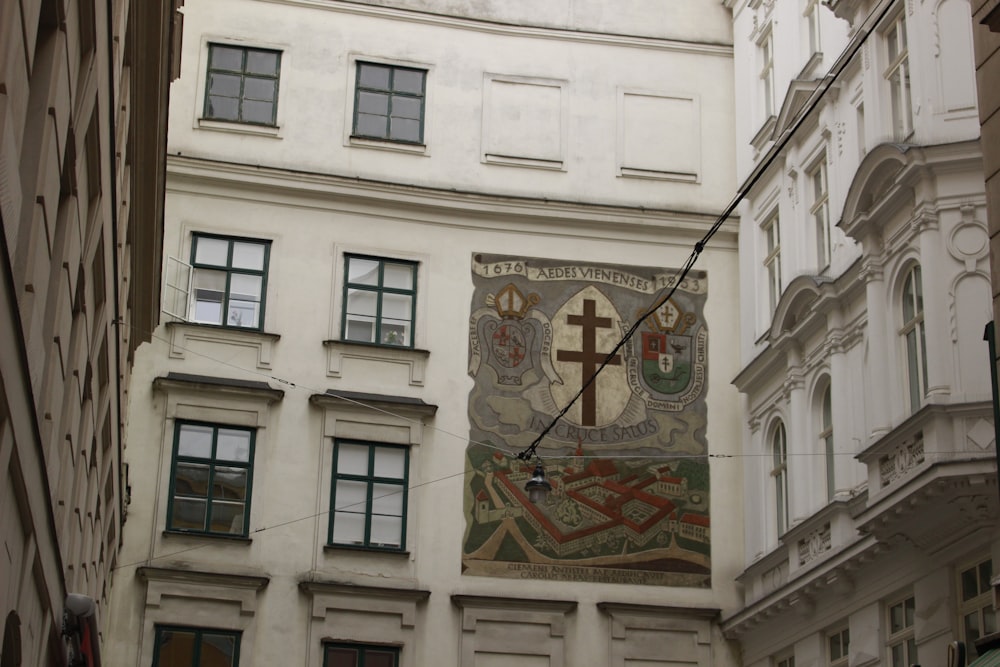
[(202, 577), (216, 385), (399, 15), (387, 200)]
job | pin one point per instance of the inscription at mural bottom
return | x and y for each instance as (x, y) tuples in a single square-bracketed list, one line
[(628, 463)]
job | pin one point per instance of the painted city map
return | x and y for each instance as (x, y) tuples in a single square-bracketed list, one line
[(628, 463)]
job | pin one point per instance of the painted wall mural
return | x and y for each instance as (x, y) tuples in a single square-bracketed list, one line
[(628, 463)]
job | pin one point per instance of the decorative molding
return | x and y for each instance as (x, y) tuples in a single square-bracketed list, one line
[(337, 596), (815, 544), (216, 386), (241, 589), (337, 351), (182, 334), (898, 463), (539, 625)]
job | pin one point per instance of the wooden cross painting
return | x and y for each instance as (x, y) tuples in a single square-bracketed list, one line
[(628, 462)]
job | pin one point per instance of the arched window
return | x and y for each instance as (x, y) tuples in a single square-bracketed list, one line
[(826, 438), (913, 333), (779, 453)]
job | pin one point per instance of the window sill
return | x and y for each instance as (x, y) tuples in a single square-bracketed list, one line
[(530, 163), (329, 548), (240, 539), (236, 127), (387, 145), (652, 174)]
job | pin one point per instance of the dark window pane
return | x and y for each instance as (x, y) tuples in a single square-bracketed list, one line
[(191, 479), (175, 648), (373, 76), (258, 112), (341, 657), (227, 85), (262, 62), (970, 587), (224, 57), (225, 108), (259, 89), (374, 103), (408, 81), (375, 658), (188, 514), (229, 483), (371, 126), (227, 518), (406, 107), (404, 129)]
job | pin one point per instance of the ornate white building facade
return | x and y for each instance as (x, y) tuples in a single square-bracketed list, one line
[(869, 477), (393, 228)]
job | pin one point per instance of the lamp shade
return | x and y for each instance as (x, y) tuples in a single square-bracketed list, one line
[(538, 487)]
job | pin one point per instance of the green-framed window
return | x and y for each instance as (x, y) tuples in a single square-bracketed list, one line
[(181, 646), (901, 645), (380, 298), (359, 655), (976, 604), (242, 84), (228, 280), (389, 103), (211, 479), (368, 495)]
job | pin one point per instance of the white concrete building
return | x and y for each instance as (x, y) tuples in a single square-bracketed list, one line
[(399, 239), (870, 479)]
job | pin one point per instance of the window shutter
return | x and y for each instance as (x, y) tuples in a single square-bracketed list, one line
[(176, 288)]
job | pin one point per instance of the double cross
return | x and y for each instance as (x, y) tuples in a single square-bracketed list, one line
[(588, 358)]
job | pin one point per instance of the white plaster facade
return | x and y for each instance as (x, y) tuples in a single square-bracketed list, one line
[(583, 134), (869, 478)]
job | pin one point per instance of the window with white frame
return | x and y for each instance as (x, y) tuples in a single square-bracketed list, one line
[(380, 297), (811, 14), (772, 259), (976, 604), (819, 209), (838, 648), (786, 660), (368, 497), (900, 644), (826, 439), (765, 55), (913, 334), (779, 472), (389, 103), (897, 75), (228, 281), (242, 84)]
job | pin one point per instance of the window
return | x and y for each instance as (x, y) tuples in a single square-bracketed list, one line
[(779, 453), (900, 642), (787, 661), (242, 84), (228, 281), (772, 260), (368, 498), (976, 608), (839, 646), (211, 478), (819, 208), (826, 437), (359, 655), (898, 76), (195, 647), (812, 22), (389, 103), (379, 300), (766, 55), (913, 333)]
